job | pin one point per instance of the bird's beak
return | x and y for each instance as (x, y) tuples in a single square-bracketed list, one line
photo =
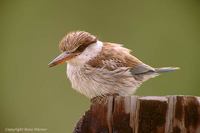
[(65, 56)]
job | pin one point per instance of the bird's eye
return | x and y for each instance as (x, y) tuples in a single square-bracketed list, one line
[(81, 48)]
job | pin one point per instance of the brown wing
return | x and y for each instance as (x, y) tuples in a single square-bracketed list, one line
[(114, 56)]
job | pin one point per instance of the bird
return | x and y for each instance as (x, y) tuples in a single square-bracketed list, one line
[(99, 69)]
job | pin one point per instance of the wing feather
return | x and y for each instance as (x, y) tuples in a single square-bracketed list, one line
[(114, 56)]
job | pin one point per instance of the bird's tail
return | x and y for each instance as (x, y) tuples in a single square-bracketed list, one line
[(166, 69)]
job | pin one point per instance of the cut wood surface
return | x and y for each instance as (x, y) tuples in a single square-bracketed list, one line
[(149, 114)]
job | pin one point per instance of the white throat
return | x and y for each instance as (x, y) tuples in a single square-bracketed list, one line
[(89, 53)]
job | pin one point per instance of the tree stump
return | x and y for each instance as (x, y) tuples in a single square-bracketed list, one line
[(150, 114)]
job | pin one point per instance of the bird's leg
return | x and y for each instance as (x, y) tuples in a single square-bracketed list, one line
[(102, 99)]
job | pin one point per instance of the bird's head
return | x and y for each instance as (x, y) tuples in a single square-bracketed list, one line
[(73, 45)]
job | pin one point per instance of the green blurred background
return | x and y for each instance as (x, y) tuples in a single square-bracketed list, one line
[(161, 33)]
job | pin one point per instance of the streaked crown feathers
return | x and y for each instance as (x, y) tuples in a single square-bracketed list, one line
[(73, 40)]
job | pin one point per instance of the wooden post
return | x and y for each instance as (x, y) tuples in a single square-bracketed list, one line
[(150, 114)]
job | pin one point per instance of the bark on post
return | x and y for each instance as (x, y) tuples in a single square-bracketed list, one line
[(150, 114)]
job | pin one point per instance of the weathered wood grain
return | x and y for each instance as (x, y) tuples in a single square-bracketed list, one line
[(151, 114)]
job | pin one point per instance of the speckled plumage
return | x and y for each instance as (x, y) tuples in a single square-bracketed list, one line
[(106, 73), (102, 68)]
